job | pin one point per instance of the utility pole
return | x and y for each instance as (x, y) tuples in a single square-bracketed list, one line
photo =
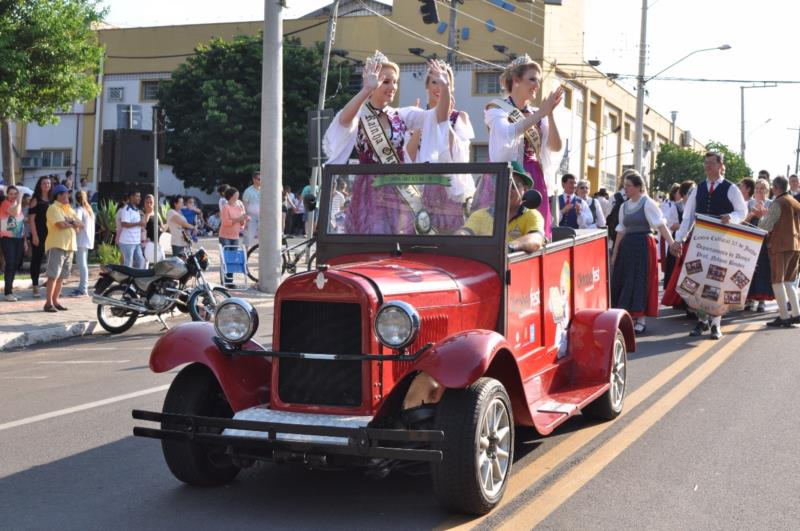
[(638, 137), (797, 153), (269, 237), (316, 177), (743, 141), (451, 36), (96, 149)]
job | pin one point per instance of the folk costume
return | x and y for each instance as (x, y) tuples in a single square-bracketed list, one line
[(714, 198), (783, 246), (761, 286), (572, 218), (634, 284), (509, 142)]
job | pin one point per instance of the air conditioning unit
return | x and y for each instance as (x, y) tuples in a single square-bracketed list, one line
[(31, 162), (686, 139)]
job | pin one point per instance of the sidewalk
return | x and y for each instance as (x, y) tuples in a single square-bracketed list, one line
[(24, 323)]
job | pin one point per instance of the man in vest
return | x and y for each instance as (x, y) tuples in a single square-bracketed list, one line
[(783, 248), (574, 211), (715, 196)]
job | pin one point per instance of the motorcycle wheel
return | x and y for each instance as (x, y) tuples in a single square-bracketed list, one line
[(202, 307), (116, 320)]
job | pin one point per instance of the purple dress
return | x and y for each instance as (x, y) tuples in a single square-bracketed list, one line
[(447, 215), (484, 196), (379, 210)]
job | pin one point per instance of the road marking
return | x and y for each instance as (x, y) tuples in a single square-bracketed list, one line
[(544, 464), (24, 377), (79, 362), (82, 407), (535, 511)]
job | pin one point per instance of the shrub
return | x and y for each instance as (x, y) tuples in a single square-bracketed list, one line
[(108, 253), (106, 220)]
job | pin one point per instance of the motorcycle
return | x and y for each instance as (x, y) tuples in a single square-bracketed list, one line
[(124, 293)]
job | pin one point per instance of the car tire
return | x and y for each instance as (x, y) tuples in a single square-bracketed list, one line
[(478, 426), (116, 292), (195, 391), (609, 405)]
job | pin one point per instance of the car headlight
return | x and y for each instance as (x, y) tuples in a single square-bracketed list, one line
[(236, 320), (397, 324)]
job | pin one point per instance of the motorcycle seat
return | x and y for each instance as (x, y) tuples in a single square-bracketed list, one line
[(132, 272)]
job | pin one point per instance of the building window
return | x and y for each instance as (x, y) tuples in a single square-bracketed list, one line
[(48, 158), (487, 83), (129, 116), (150, 90), (627, 130), (116, 93), (579, 106), (613, 121), (480, 153), (568, 97)]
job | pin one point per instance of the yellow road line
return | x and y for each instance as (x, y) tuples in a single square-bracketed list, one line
[(541, 466), (548, 501)]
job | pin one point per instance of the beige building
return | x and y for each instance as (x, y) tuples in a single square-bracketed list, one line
[(596, 119)]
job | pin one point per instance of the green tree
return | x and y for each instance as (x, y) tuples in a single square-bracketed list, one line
[(49, 59), (675, 164), (213, 108)]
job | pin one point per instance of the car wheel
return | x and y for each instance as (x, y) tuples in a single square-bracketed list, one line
[(112, 318), (609, 405), (478, 448), (195, 391)]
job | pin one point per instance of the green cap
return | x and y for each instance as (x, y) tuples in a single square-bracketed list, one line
[(517, 168)]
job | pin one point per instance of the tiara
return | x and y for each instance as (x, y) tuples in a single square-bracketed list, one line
[(376, 59), (442, 64), (523, 59)]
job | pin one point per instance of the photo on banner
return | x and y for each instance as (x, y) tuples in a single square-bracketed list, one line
[(719, 265)]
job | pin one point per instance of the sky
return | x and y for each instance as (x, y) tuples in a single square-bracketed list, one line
[(711, 110)]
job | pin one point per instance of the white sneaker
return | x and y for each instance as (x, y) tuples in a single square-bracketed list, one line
[(11, 298)]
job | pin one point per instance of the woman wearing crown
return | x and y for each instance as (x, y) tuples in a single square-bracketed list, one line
[(446, 204), (522, 133), (378, 131)]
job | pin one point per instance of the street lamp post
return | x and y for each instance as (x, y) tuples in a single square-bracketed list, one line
[(641, 81)]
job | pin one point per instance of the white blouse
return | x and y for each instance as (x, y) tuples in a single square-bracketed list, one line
[(651, 211), (339, 140), (506, 142)]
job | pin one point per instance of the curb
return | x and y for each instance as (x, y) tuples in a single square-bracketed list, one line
[(20, 340), (87, 327)]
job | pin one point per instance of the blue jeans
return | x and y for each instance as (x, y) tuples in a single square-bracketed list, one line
[(82, 257), (132, 255)]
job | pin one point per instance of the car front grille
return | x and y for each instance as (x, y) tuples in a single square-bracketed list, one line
[(322, 328)]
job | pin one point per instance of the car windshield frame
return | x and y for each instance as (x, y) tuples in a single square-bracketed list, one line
[(490, 250)]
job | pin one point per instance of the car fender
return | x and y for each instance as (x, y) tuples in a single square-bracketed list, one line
[(459, 360), (591, 340), (244, 379)]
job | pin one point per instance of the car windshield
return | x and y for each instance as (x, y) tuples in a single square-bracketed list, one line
[(418, 204)]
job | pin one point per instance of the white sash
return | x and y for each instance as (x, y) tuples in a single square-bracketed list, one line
[(514, 116), (376, 136)]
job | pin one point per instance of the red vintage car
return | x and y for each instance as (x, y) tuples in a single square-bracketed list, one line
[(412, 341)]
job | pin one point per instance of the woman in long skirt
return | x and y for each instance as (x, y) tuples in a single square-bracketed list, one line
[(760, 288), (634, 279), (519, 132)]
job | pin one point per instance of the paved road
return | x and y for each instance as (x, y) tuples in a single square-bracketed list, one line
[(708, 440)]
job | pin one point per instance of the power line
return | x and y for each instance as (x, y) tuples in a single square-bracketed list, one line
[(515, 14), (498, 28), (407, 31)]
